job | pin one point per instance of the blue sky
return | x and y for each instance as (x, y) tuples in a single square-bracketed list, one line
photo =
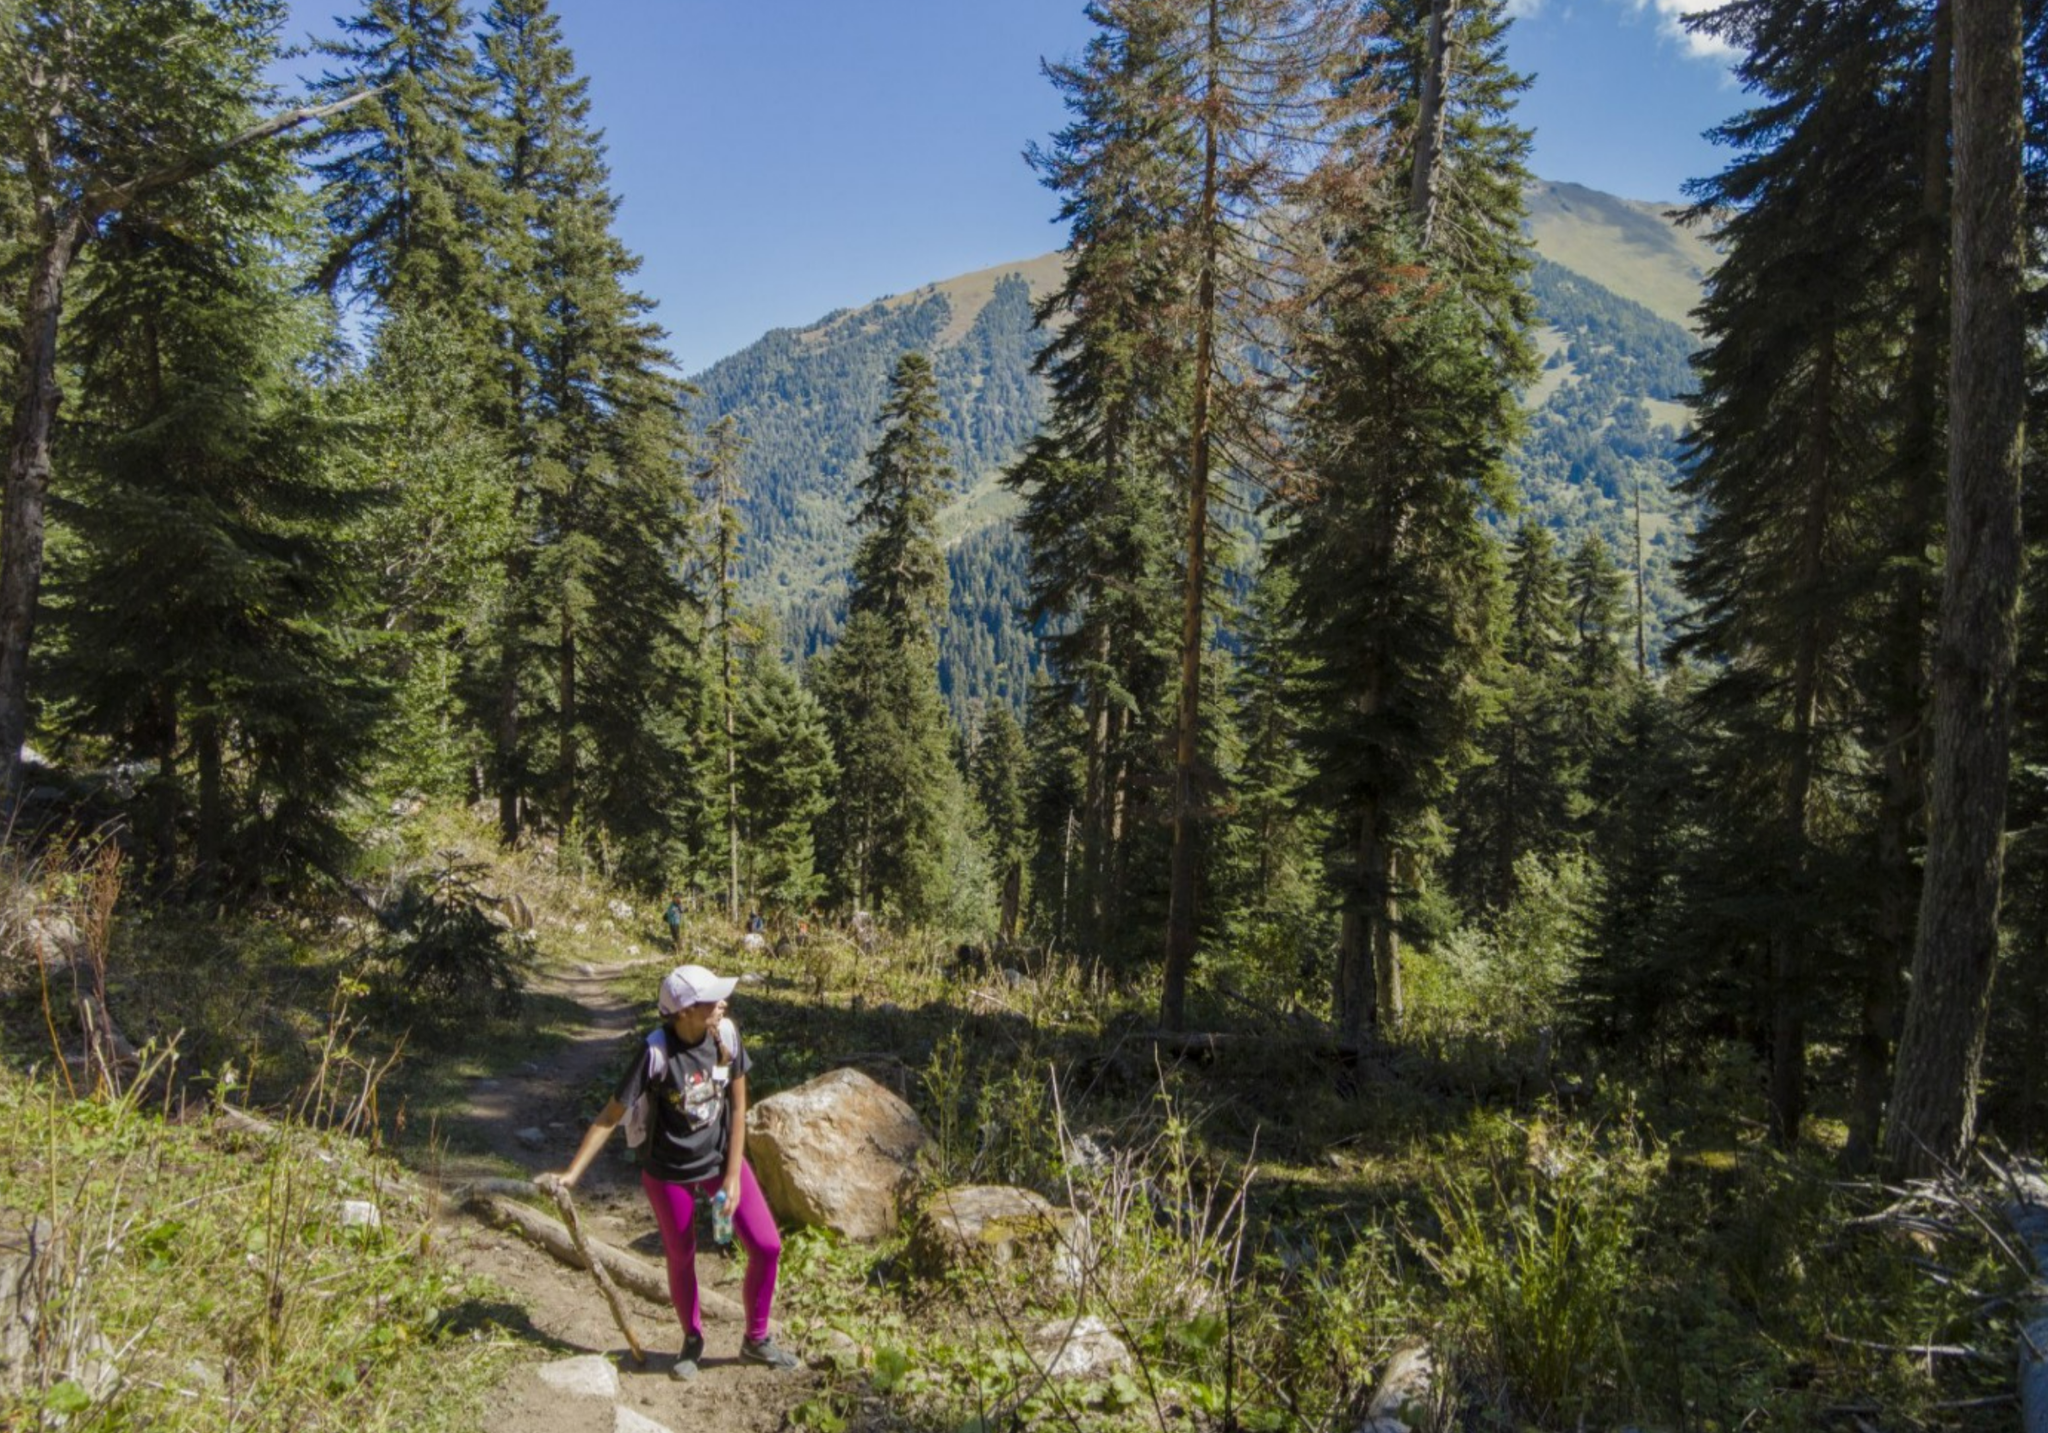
[(781, 158)]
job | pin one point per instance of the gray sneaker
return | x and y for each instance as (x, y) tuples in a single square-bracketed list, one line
[(768, 1353), (685, 1367)]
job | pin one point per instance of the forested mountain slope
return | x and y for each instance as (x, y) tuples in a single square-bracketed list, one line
[(1612, 279)]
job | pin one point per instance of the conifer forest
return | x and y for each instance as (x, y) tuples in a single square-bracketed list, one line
[(1230, 749)]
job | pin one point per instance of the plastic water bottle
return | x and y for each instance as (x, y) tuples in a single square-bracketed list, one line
[(721, 1219)]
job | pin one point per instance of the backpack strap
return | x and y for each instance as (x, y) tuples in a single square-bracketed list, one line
[(728, 1040)]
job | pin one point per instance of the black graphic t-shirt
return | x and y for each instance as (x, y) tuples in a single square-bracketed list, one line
[(688, 1126)]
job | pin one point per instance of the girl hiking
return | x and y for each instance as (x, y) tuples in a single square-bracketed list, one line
[(684, 1102)]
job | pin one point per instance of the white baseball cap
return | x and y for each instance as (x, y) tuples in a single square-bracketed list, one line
[(689, 985)]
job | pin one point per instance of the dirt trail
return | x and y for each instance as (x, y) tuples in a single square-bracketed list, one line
[(568, 1318)]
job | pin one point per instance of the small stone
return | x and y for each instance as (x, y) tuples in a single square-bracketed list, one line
[(1012, 976), (621, 911), (752, 977), (837, 1350), (360, 1214), (625, 1420), (533, 1137), (591, 1376), (586, 969)]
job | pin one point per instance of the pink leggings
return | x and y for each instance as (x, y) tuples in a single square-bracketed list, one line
[(675, 1213)]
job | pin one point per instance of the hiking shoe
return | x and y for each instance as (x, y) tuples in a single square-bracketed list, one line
[(768, 1353), (685, 1366)]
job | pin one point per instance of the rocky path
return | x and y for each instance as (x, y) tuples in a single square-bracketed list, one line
[(581, 1377)]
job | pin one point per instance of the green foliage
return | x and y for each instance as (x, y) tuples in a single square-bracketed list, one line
[(234, 1280), (787, 777), (1541, 1264), (211, 600), (805, 402), (443, 953), (407, 195)]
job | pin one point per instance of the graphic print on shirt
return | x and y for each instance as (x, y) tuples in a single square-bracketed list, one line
[(702, 1099)]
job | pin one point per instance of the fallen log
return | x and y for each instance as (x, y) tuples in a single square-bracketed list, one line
[(632, 1274), (2028, 1215)]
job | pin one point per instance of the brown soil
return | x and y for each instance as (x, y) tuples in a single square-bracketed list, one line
[(567, 1316)]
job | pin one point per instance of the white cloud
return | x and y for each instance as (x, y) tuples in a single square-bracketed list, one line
[(1670, 12), (1523, 9)]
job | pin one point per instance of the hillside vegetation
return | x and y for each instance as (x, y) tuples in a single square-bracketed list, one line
[(1614, 281)]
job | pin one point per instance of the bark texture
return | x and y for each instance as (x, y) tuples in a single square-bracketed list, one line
[(1934, 1105)]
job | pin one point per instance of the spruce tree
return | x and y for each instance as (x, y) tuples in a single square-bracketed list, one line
[(1518, 799), (594, 642), (1096, 482), (717, 482), (1794, 448), (1414, 346), (408, 198), (899, 571), (74, 77), (787, 777), (1404, 425), (879, 684), (213, 607), (999, 776)]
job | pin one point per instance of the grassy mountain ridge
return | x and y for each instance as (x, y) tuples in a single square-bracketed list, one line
[(1628, 246), (1614, 284)]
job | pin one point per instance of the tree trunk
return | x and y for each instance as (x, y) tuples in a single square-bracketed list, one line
[(28, 486), (1788, 975), (1429, 123), (508, 729), (1903, 801), (166, 800), (213, 818), (1013, 895), (1934, 1094), (1356, 986), (1389, 1003), (1180, 921), (565, 718), (732, 756)]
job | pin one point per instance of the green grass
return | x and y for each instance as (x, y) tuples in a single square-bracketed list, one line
[(1261, 1237), (214, 1274)]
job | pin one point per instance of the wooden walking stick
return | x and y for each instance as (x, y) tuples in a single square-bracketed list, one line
[(567, 1206)]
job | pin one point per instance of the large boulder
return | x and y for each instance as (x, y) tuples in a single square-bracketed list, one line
[(840, 1152), (995, 1225)]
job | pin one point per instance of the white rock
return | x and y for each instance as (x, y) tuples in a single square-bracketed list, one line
[(533, 1137), (620, 911), (1090, 1351), (591, 1376), (625, 1420), (360, 1214)]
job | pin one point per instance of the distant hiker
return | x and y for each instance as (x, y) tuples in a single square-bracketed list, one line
[(674, 918), (684, 1102), (755, 925)]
